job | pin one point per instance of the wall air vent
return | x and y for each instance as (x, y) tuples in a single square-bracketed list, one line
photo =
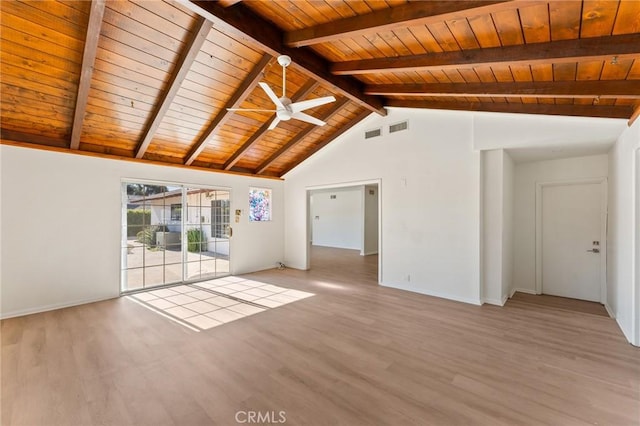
[(398, 127), (373, 133)]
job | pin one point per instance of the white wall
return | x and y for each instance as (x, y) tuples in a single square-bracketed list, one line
[(524, 218), (61, 225), (492, 225), (430, 184), (337, 222), (636, 339), (497, 226), (370, 234), (508, 192), (622, 239)]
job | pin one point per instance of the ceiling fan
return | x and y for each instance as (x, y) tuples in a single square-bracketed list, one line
[(285, 109)]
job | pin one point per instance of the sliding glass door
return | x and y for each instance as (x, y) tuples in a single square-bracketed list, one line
[(172, 234)]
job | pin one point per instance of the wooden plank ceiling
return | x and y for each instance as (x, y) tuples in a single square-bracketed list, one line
[(152, 80)]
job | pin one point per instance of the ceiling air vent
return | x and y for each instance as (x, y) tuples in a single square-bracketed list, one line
[(373, 133), (398, 127)]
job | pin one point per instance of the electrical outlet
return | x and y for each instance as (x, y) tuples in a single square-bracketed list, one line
[(408, 277)]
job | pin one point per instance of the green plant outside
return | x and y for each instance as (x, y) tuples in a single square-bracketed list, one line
[(148, 235), (136, 220), (196, 240)]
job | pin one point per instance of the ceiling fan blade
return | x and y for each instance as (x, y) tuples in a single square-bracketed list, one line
[(274, 123), (271, 95), (311, 103), (251, 109), (309, 119)]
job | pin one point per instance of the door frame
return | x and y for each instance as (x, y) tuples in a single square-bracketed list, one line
[(603, 229), (309, 224)]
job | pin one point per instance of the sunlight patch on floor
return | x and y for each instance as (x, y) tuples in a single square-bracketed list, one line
[(208, 304)]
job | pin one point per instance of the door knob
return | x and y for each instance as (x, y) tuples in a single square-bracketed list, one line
[(595, 250)]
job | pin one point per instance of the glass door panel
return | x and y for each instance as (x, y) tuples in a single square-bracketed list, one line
[(152, 248)]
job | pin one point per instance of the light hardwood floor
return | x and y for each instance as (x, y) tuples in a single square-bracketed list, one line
[(354, 354)]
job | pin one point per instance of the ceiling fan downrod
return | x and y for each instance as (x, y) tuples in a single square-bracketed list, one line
[(284, 62)]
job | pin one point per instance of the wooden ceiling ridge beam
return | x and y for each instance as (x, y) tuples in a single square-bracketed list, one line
[(305, 90), (96, 14), (183, 65), (248, 84), (343, 129), (389, 19), (620, 89), (562, 51), (340, 103), (241, 22), (605, 111)]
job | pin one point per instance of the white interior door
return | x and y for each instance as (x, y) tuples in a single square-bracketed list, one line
[(571, 246)]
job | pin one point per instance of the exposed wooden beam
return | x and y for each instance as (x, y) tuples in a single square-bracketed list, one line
[(12, 135), (228, 3), (300, 136), (88, 60), (635, 115), (183, 65), (389, 19), (563, 51), (364, 114), (248, 84), (608, 111), (240, 21), (309, 87), (619, 89)]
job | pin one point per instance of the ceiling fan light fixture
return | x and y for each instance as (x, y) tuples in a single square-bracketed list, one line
[(285, 109), (283, 115), (284, 60)]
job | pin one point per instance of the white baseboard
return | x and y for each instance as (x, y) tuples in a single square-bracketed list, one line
[(627, 336), (295, 266), (522, 290), (260, 268), (368, 253), (497, 302), (609, 310), (433, 293), (52, 307)]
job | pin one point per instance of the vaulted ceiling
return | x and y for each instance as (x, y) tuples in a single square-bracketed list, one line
[(152, 80)]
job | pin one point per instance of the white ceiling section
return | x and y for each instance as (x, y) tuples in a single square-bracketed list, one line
[(538, 137)]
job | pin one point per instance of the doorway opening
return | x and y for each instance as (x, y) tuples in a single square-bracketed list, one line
[(344, 229), (172, 234), (571, 239)]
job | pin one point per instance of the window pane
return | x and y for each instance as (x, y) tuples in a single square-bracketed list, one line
[(222, 266), (193, 270), (153, 276), (173, 273), (134, 256), (208, 267), (135, 278)]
